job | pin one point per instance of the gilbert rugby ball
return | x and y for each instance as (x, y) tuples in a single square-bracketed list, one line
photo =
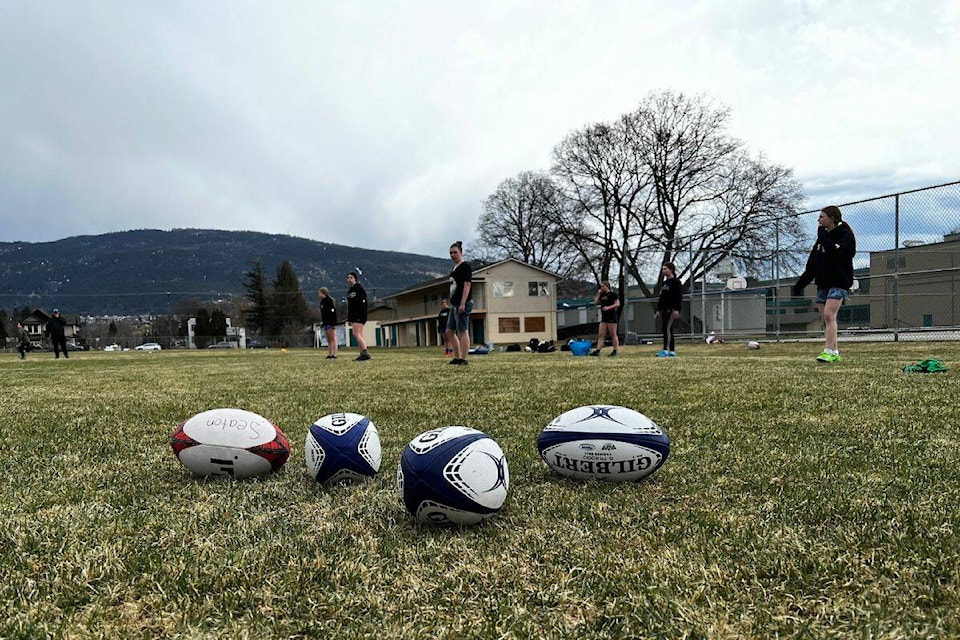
[(753, 344), (230, 442), (603, 442)]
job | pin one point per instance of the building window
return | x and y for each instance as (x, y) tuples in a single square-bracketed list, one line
[(502, 289), (535, 324), (508, 325), (539, 289)]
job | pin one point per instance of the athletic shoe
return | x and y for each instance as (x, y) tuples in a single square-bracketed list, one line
[(663, 353), (331, 357), (826, 356), (613, 353), (595, 352), (362, 356), (671, 354), (456, 361), (463, 362)]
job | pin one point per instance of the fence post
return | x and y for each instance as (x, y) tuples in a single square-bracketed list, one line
[(896, 269), (776, 279)]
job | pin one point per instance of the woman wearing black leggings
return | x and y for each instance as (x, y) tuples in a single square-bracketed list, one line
[(668, 307)]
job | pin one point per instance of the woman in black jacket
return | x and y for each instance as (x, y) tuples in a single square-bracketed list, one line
[(668, 308), (328, 320), (830, 265), (357, 312)]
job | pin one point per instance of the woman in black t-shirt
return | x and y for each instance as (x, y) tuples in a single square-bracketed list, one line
[(609, 303)]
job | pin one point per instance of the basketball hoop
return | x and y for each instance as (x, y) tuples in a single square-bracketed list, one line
[(737, 283)]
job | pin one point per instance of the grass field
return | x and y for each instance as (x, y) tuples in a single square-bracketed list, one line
[(799, 500)]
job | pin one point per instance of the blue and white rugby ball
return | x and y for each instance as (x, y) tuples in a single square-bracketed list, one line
[(603, 442), (453, 476), (342, 447)]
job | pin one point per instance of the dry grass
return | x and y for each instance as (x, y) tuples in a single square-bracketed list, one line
[(799, 500)]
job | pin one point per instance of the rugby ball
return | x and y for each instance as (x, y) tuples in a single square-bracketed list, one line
[(753, 344), (604, 442), (230, 442), (342, 447), (453, 476)]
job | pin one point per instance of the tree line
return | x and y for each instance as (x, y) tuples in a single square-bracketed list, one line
[(274, 308), (663, 183)]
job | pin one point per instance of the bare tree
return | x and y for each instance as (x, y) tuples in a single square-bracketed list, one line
[(709, 199), (664, 183), (601, 175), (524, 219)]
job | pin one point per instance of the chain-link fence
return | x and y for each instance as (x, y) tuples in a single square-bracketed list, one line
[(907, 271)]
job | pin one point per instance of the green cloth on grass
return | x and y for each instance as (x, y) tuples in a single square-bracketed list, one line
[(926, 366)]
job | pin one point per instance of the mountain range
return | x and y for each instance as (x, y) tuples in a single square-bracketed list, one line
[(148, 271)]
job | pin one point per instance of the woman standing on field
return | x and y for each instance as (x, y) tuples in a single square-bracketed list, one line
[(461, 304), (357, 312), (830, 265), (668, 308), (328, 320)]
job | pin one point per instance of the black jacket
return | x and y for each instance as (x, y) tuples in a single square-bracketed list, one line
[(671, 295), (357, 304), (55, 327), (830, 264), (328, 312)]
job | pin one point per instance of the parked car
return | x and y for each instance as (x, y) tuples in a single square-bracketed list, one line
[(148, 346), (257, 344), (73, 346), (112, 347), (225, 344)]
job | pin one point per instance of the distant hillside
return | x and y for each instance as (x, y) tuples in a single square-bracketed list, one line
[(148, 271)]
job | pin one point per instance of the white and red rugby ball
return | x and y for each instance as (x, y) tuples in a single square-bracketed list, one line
[(604, 442), (230, 442)]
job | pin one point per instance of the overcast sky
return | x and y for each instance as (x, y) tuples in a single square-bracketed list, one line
[(385, 124)]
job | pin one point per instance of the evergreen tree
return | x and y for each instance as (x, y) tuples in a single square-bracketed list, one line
[(112, 329), (290, 310), (218, 324), (201, 330), (4, 321), (257, 316)]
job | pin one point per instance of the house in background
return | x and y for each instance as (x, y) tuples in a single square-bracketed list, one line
[(512, 303), (36, 323)]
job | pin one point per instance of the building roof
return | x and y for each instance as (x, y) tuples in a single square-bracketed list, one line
[(478, 273)]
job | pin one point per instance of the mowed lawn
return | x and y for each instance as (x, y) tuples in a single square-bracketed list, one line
[(799, 500)]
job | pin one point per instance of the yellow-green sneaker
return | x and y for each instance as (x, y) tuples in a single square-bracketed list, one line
[(826, 356)]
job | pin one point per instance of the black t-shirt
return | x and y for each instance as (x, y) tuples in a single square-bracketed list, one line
[(607, 299), (461, 274)]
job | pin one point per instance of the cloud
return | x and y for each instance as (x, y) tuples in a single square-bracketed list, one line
[(387, 124)]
